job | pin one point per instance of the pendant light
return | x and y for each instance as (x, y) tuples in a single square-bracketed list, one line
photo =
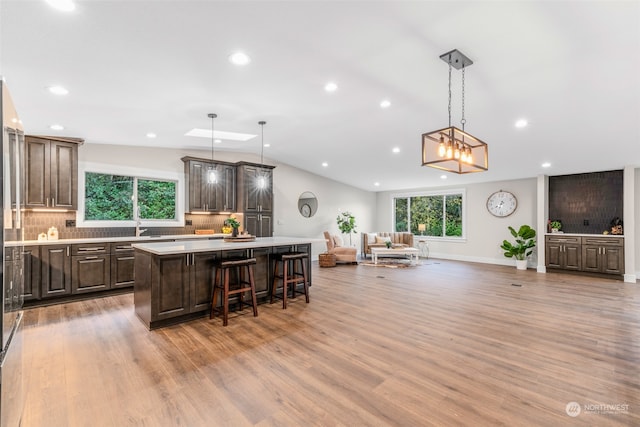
[(212, 176), (262, 180), (452, 149)]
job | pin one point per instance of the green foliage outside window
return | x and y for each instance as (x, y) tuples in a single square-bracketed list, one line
[(111, 198), (441, 214)]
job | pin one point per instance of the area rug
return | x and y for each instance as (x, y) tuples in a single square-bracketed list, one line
[(390, 263)]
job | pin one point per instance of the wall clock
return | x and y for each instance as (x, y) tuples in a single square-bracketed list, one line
[(502, 203)]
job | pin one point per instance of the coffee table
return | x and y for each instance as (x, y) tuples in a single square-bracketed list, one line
[(411, 252)]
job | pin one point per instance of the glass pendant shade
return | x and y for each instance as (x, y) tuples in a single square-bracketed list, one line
[(475, 160)]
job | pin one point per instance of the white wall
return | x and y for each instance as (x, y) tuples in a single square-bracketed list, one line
[(484, 232), (289, 183)]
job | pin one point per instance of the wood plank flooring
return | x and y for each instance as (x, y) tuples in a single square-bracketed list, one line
[(441, 344)]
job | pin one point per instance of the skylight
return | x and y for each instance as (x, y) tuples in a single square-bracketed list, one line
[(221, 134)]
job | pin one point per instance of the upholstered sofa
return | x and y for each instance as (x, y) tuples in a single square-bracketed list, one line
[(377, 240), (342, 253)]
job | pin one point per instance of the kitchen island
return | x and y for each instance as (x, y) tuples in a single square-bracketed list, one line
[(173, 280)]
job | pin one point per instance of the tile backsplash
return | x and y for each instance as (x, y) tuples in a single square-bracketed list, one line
[(39, 222), (586, 203)]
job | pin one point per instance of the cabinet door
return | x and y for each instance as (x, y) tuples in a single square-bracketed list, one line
[(612, 259), (201, 281), (170, 287), (265, 192), (251, 224), (591, 258), (31, 256), (215, 200), (122, 265), (37, 172), (56, 270), (250, 189), (266, 225), (228, 196), (90, 273), (262, 273), (553, 254), (64, 175), (196, 186), (572, 257)]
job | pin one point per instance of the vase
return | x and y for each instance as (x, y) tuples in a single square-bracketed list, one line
[(521, 264), (234, 232)]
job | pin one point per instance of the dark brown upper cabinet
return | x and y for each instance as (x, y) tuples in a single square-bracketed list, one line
[(51, 172), (203, 196)]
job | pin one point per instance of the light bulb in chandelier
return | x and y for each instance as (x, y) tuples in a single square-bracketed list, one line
[(456, 152), (450, 150), (469, 156), (463, 155), (442, 150)]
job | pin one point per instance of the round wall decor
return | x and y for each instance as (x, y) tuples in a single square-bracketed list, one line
[(502, 203)]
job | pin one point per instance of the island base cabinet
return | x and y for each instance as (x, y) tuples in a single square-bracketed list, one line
[(171, 287)]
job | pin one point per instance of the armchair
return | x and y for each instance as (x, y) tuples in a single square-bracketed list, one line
[(342, 253)]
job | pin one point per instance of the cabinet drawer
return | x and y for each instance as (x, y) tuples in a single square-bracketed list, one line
[(603, 241), (120, 247), (90, 249), (564, 239)]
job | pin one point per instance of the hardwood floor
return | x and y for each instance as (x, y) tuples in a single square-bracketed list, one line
[(441, 344)]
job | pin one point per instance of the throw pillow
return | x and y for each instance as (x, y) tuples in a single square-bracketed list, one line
[(383, 239), (337, 241), (371, 237)]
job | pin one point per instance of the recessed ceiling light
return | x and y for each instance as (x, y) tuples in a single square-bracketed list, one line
[(58, 90), (546, 165), (325, 164), (239, 58), (217, 141), (232, 136), (56, 127), (443, 176), (63, 5), (377, 184), (151, 135), (331, 87), (396, 149), (385, 103), (521, 123)]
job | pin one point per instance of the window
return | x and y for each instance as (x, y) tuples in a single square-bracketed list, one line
[(441, 213), (121, 199)]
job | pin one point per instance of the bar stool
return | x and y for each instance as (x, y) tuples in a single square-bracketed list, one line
[(290, 275), (228, 286)]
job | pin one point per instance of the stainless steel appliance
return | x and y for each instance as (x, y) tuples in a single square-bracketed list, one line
[(11, 366)]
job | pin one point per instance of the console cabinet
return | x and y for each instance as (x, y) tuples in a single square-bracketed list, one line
[(584, 253), (51, 172), (603, 255)]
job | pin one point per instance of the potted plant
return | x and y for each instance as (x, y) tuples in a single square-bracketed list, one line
[(555, 226), (346, 224), (523, 246), (234, 224)]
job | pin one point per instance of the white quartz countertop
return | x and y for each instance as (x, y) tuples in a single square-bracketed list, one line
[(125, 239), (172, 248)]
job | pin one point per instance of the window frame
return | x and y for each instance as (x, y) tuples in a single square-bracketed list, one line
[(449, 192), (149, 174)]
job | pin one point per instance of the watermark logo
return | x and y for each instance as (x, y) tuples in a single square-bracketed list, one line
[(573, 409)]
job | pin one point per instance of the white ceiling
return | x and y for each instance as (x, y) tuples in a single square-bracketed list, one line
[(571, 68)]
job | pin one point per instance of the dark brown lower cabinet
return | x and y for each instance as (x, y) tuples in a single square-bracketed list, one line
[(90, 273), (32, 287), (56, 270), (122, 265), (170, 286), (201, 280), (583, 253)]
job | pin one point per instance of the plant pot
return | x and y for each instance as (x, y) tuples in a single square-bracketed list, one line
[(555, 230), (234, 233), (521, 264)]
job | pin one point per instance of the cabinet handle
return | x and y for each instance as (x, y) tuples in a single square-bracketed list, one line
[(604, 251), (53, 202), (91, 257), (67, 250), (47, 203)]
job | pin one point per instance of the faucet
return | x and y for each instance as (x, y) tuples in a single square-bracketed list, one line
[(138, 230)]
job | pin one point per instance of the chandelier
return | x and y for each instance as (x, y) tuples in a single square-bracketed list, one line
[(452, 149)]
